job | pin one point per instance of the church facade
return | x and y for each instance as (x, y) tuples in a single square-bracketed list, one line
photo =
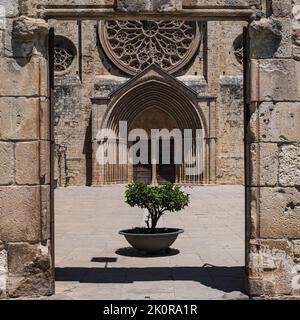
[(154, 74), (199, 68)]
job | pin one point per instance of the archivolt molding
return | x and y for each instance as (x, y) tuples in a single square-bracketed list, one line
[(159, 92), (152, 90)]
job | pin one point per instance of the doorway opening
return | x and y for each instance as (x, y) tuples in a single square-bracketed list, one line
[(155, 173), (198, 86)]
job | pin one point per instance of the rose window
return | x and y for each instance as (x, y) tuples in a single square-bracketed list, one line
[(134, 45)]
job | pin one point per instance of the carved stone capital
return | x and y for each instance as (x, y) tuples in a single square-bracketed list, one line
[(266, 36), (29, 37)]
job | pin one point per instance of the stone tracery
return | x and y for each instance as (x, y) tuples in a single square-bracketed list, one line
[(238, 48), (64, 54), (134, 45)]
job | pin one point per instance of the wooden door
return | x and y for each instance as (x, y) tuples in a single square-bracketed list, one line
[(166, 172), (142, 173)]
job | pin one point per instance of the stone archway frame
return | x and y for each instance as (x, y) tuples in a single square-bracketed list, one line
[(272, 237)]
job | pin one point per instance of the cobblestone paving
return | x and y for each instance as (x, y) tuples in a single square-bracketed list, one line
[(94, 262)]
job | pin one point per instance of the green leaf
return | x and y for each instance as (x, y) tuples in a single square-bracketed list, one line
[(157, 199)]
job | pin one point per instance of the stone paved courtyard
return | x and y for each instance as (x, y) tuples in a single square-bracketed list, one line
[(94, 262)]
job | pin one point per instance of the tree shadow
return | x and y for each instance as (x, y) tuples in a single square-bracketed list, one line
[(226, 279)]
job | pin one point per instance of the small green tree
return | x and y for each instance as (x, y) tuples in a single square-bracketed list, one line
[(157, 200)]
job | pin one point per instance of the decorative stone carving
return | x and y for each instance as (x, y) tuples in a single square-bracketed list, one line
[(238, 49), (149, 5), (265, 36), (134, 45), (64, 54), (29, 37)]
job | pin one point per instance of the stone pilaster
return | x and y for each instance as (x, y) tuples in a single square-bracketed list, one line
[(273, 153), (25, 259)]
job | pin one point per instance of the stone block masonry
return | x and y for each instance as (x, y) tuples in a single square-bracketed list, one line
[(73, 104), (25, 259), (273, 157), (272, 140)]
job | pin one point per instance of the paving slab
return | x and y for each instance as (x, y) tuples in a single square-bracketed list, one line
[(94, 262)]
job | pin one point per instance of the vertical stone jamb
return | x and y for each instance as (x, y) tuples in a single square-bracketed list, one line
[(273, 149), (25, 255)]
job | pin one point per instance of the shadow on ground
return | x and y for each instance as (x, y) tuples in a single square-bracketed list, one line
[(227, 279), (131, 252)]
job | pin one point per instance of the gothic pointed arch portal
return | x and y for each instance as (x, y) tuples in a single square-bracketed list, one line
[(155, 100)]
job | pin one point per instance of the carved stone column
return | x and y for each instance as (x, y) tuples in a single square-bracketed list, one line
[(154, 174)]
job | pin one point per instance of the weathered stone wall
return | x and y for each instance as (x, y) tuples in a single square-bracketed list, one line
[(69, 113), (273, 250), (230, 131), (215, 61), (70, 133), (273, 154), (225, 81), (25, 261), (73, 102)]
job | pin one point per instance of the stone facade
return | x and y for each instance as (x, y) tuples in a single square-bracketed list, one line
[(93, 75), (272, 139)]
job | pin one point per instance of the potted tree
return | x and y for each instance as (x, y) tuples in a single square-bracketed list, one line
[(157, 200)]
